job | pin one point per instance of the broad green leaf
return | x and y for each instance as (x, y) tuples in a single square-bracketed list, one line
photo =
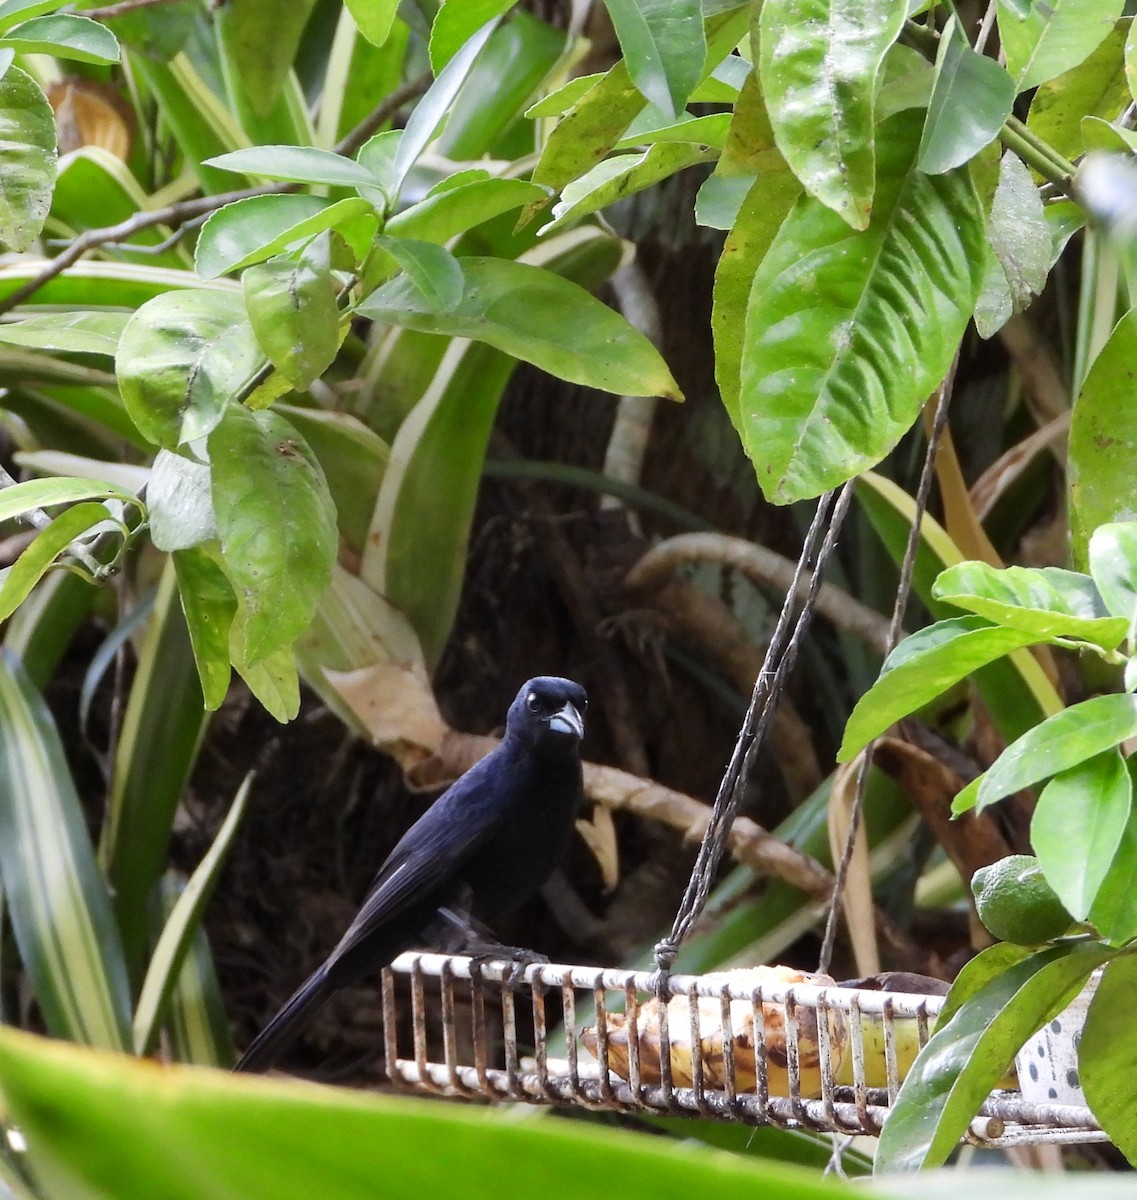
[(56, 899), (1048, 601), (277, 525), (181, 926), (1077, 827), (457, 21), (273, 679), (968, 1054), (429, 112), (157, 746), (1095, 88), (209, 606), (181, 511), (971, 98), (293, 312), (818, 60), (906, 81), (1022, 248), (453, 209), (1114, 911), (847, 334), (249, 231), (262, 36), (1107, 1054), (923, 667), (27, 166), (431, 269), (181, 359), (1103, 439), (374, 18), (538, 317), (1059, 743), (299, 164), (72, 333), (19, 498), (624, 175), (99, 1126), (663, 45), (13, 11), (1041, 40), (65, 35), (41, 555), (1113, 565)]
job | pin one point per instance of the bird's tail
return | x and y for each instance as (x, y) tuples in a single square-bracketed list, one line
[(287, 1025)]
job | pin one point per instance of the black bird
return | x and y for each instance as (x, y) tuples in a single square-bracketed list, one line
[(485, 846)]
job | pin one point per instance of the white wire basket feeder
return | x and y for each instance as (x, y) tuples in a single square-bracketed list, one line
[(764, 1047)]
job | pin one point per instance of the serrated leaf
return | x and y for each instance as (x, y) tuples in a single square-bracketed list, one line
[(818, 61), (71, 333), (1077, 827), (249, 231), (971, 98), (1047, 601), (293, 312), (1061, 742), (922, 667), (848, 334), (277, 525), (538, 317), (663, 45), (27, 166), (299, 164), (209, 606), (65, 35), (1043, 40), (181, 358), (178, 497), (55, 897)]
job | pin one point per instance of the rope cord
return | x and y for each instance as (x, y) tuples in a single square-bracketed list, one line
[(781, 653), (895, 629)]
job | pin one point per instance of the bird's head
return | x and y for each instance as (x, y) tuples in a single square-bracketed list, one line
[(548, 710)]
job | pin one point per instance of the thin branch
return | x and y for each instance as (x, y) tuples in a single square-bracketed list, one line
[(383, 112)]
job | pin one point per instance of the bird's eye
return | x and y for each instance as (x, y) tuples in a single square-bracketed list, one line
[(533, 702)]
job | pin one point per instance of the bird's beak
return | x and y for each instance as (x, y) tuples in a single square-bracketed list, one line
[(567, 720)]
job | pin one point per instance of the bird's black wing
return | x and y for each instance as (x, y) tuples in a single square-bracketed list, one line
[(432, 852)]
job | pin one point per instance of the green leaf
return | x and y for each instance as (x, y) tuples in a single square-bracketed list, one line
[(1113, 565), (293, 312), (249, 231), (182, 357), (1107, 1054), (719, 201), (40, 556), (818, 61), (56, 899), (448, 210), (968, 1054), (1114, 911), (70, 333), (180, 929), (1048, 601), (1077, 827), (457, 21), (1043, 40), (99, 1126), (431, 269), (13, 11), (1059, 743), (65, 35), (1022, 248), (537, 317), (1095, 88), (298, 164), (624, 175), (273, 679), (262, 36), (561, 99), (374, 18), (19, 498), (181, 511), (848, 334), (971, 98), (209, 606), (923, 667), (1103, 439), (277, 525), (663, 45), (27, 166)]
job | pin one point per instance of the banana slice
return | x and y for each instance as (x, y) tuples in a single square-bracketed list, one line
[(742, 1036)]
